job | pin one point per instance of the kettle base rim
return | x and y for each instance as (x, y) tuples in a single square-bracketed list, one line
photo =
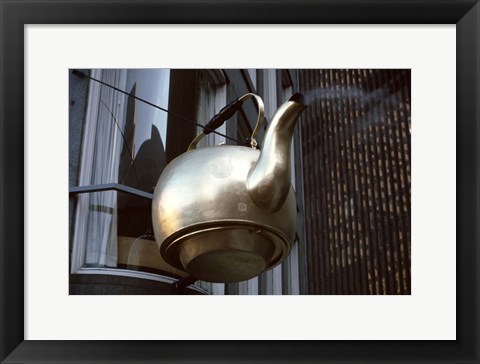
[(209, 250)]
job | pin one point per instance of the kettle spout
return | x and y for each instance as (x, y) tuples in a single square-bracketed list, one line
[(269, 180)]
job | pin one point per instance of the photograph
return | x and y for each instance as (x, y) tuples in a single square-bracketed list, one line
[(248, 181), (240, 181)]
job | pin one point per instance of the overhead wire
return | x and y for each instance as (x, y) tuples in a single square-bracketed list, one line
[(84, 75), (130, 154)]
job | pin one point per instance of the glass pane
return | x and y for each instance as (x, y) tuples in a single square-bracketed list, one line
[(145, 129), (130, 135)]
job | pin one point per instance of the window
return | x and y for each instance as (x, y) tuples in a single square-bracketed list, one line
[(136, 122), (127, 141)]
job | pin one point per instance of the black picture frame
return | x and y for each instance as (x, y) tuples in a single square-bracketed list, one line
[(15, 14)]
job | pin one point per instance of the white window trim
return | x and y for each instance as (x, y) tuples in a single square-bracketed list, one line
[(218, 80), (85, 174), (252, 73), (87, 156)]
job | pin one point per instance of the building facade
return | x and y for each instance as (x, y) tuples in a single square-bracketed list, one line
[(351, 175), (355, 139), (125, 127)]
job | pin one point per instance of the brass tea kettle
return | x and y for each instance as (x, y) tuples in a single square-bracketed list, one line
[(227, 213)]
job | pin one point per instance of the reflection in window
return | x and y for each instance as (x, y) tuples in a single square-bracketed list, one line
[(143, 154)]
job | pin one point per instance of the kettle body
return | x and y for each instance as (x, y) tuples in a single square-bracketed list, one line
[(209, 225), (227, 213)]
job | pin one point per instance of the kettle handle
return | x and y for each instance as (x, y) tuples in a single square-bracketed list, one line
[(226, 113)]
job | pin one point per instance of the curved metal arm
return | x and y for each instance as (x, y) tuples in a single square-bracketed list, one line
[(260, 118)]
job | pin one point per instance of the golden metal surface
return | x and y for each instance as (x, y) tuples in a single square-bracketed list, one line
[(205, 219), (269, 180), (136, 253), (194, 142), (260, 117)]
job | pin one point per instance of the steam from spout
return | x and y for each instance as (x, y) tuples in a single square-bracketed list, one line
[(372, 105), (339, 92)]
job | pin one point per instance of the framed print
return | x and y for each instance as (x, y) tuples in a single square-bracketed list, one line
[(93, 300)]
